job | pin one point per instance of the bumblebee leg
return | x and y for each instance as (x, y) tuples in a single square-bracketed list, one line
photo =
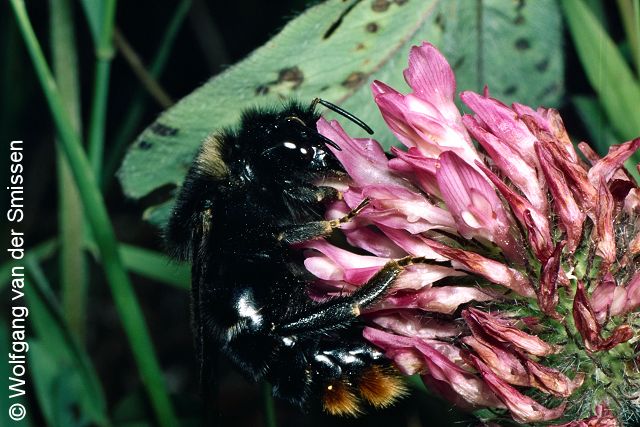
[(313, 230), (336, 312)]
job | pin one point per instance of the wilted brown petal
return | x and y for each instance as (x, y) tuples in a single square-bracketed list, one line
[(523, 409), (548, 291), (589, 328), (603, 418), (485, 323), (465, 384), (602, 297), (609, 164), (504, 363), (553, 381), (604, 238)]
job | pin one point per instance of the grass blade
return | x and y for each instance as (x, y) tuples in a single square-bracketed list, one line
[(98, 116), (73, 268), (155, 266), (618, 91)]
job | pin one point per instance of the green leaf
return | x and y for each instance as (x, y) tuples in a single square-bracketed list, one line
[(335, 50), (610, 76), (154, 265)]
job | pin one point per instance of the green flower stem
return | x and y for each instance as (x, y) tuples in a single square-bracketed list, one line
[(97, 121), (131, 121), (149, 82), (98, 118), (73, 271), (268, 406), (125, 299)]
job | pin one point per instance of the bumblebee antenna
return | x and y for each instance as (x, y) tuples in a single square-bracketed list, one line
[(343, 113)]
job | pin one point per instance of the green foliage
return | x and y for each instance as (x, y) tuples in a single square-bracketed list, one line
[(334, 51), (62, 372), (617, 88)]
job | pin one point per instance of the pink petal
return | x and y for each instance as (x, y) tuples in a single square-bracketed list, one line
[(571, 216), (632, 202), (413, 244), (417, 168), (602, 297), (374, 242), (431, 78), (472, 201), (633, 294), (535, 222), (488, 268), (363, 159), (437, 299), (550, 122), (419, 276), (323, 268), (413, 323), (393, 109), (356, 269), (521, 173), (400, 208), (501, 121)]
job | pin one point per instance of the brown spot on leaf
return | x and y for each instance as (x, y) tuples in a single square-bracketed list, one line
[(291, 75), (372, 27), (522, 44), (510, 90), (440, 21), (360, 46), (543, 65), (400, 2), (144, 145), (380, 5), (354, 80), (163, 130)]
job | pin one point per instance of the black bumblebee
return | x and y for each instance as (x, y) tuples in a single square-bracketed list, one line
[(249, 196)]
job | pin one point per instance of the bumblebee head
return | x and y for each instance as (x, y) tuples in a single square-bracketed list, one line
[(284, 146)]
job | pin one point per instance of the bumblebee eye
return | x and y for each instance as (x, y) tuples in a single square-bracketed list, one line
[(298, 151)]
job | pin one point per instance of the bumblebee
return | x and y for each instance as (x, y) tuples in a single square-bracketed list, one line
[(250, 195)]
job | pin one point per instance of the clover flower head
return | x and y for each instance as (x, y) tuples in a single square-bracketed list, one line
[(528, 306)]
